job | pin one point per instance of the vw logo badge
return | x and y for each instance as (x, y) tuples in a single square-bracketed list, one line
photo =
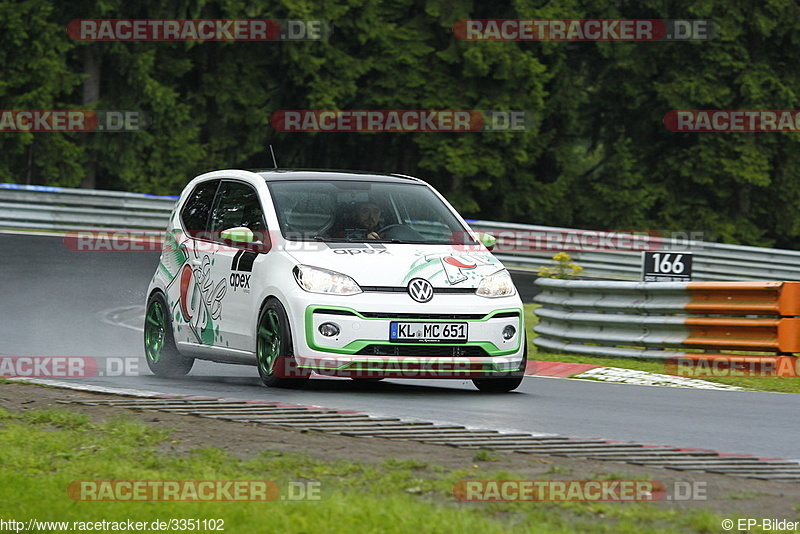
[(420, 290)]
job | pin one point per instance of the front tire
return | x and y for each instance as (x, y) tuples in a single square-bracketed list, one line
[(160, 352), (274, 351), (506, 383)]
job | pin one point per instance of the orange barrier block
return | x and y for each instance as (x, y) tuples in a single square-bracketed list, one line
[(779, 335), (745, 298)]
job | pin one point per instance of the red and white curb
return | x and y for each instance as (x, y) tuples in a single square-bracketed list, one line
[(643, 378), (618, 375)]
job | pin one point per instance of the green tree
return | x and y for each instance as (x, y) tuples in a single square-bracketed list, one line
[(737, 187), (37, 76)]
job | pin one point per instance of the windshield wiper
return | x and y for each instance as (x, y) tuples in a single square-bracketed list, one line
[(322, 239), (401, 241)]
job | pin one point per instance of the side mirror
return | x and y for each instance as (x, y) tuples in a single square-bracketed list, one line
[(487, 240), (245, 238), (240, 234)]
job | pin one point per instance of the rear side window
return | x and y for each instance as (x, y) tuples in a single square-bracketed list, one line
[(195, 212)]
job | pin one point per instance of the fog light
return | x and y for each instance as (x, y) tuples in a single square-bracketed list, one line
[(508, 332), (328, 329)]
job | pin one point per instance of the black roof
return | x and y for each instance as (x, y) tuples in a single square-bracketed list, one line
[(276, 175)]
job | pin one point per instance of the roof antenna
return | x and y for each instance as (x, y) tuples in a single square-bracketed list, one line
[(274, 161)]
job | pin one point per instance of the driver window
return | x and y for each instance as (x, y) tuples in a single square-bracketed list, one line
[(237, 205)]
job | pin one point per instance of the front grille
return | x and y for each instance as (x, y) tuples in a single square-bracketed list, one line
[(422, 350), (436, 290)]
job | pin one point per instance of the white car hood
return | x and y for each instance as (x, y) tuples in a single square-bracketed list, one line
[(394, 264)]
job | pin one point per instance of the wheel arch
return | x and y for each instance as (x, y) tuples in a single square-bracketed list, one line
[(156, 290), (293, 328)]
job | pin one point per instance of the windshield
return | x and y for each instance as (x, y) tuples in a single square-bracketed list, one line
[(353, 211)]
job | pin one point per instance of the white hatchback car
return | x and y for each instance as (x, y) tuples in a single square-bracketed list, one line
[(338, 273)]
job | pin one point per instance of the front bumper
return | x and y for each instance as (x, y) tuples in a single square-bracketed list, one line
[(363, 349)]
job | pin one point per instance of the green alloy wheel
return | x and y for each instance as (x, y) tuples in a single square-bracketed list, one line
[(276, 363), (162, 356)]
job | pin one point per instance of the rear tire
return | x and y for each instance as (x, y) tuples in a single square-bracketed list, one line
[(160, 352), (274, 352), (506, 383)]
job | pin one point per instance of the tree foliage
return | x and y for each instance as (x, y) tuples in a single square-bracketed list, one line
[(598, 155)]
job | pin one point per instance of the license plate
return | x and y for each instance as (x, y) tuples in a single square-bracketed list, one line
[(428, 332)]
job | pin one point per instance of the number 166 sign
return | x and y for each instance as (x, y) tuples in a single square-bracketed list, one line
[(665, 266)]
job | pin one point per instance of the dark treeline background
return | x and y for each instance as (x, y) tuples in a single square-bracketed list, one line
[(598, 157)]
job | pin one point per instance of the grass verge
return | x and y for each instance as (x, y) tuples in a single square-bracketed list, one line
[(44, 451)]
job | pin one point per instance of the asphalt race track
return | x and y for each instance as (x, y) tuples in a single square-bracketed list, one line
[(56, 302)]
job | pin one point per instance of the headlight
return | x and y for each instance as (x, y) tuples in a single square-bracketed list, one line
[(316, 280), (498, 284)]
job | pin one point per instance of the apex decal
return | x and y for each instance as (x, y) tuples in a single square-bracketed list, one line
[(240, 281), (353, 252), (242, 262), (358, 248)]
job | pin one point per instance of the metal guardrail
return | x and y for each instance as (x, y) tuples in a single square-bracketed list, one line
[(643, 319), (618, 255), (62, 209), (521, 247)]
